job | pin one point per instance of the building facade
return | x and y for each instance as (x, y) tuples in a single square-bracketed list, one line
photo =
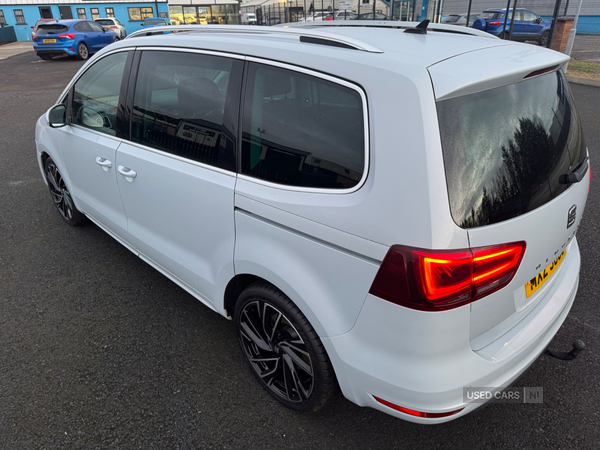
[(23, 14)]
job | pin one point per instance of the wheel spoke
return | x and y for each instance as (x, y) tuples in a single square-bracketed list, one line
[(252, 332), (291, 352)]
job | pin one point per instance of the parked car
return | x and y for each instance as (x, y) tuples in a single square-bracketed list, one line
[(317, 16), (461, 19), (114, 25), (37, 24), (71, 37), (341, 15), (528, 26), (271, 184), (372, 16), (151, 22)]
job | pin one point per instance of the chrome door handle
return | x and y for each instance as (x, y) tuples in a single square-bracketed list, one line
[(104, 163), (127, 173)]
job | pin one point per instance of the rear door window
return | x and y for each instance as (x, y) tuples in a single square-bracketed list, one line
[(301, 130), (506, 148), (186, 104)]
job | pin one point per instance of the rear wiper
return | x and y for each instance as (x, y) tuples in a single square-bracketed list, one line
[(576, 175)]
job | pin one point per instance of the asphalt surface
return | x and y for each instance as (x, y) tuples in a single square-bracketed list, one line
[(98, 350)]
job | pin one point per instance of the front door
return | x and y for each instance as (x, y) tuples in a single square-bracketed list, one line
[(89, 144)]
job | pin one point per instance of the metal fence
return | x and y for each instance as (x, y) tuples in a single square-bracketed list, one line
[(586, 46)]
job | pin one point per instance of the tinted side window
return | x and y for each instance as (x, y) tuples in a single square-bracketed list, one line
[(95, 27), (180, 105), (82, 26), (96, 94), (301, 130)]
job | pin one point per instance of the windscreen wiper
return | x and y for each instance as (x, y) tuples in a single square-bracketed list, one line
[(576, 175)]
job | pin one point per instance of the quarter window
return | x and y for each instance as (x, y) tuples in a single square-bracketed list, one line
[(180, 105), (81, 13), (300, 130), (110, 12), (19, 17), (96, 95)]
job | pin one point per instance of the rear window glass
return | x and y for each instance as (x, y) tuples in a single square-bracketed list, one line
[(105, 22), (52, 29), (505, 148), (301, 130), (451, 19), (491, 15), (155, 22)]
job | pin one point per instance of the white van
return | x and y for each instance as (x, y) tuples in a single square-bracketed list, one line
[(389, 210), (248, 19)]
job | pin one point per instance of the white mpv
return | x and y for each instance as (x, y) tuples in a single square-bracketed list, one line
[(380, 208)]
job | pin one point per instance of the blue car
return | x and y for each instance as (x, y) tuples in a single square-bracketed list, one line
[(71, 37), (528, 26), (151, 22)]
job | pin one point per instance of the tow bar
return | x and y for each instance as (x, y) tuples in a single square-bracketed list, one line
[(578, 345)]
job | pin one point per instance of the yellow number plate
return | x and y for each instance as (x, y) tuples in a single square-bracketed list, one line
[(538, 281), (49, 41)]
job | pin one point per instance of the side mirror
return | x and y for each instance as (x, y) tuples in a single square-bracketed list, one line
[(141, 24), (539, 20), (57, 116)]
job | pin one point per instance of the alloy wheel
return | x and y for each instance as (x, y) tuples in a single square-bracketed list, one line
[(276, 351), (58, 191)]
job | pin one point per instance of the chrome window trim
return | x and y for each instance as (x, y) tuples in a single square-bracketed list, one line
[(180, 158), (332, 79)]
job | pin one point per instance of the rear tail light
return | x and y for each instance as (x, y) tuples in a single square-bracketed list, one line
[(412, 412), (495, 24), (330, 18), (67, 36), (114, 27), (433, 280), (34, 36)]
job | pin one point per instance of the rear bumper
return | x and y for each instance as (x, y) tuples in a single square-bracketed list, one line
[(64, 49), (423, 361)]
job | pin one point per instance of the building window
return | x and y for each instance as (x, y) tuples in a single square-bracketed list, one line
[(95, 13), (20, 17), (365, 2), (81, 13), (139, 14), (110, 12), (2, 19)]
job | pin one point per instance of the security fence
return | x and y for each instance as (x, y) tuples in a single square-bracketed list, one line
[(560, 13)]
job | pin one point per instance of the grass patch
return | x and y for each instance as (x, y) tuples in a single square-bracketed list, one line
[(585, 67)]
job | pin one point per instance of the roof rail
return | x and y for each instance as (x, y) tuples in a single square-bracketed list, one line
[(440, 27), (318, 36)]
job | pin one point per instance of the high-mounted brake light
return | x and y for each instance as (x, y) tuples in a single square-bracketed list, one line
[(433, 280), (413, 412), (67, 36), (541, 71)]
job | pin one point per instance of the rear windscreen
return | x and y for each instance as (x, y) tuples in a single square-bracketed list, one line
[(505, 148), (105, 22), (155, 22), (52, 29)]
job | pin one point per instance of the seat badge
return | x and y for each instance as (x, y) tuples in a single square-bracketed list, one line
[(571, 216)]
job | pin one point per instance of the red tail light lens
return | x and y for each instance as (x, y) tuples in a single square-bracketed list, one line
[(114, 27), (412, 412), (433, 280), (34, 36), (494, 24), (67, 36)]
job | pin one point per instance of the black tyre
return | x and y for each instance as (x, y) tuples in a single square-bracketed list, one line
[(503, 35), (61, 196), (46, 57), (282, 349), (116, 39), (82, 51), (545, 38)]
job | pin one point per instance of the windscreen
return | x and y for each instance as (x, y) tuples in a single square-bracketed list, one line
[(52, 29), (506, 148)]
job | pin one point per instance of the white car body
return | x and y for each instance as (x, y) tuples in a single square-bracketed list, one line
[(324, 248), (114, 25)]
